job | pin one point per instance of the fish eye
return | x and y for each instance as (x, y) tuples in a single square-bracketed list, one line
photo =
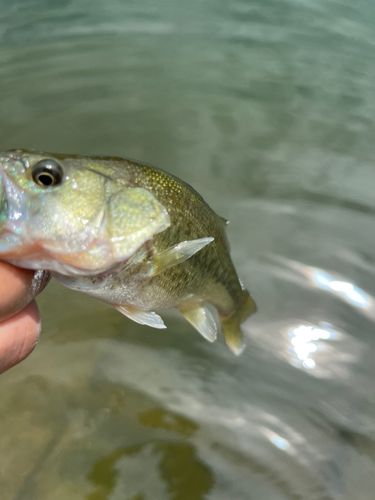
[(47, 173)]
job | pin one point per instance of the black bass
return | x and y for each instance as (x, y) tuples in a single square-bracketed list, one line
[(128, 234)]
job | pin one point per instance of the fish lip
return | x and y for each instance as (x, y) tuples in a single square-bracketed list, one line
[(7, 237), (3, 200), (12, 196), (3, 179), (10, 202)]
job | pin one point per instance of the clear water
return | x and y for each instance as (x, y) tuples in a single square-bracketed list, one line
[(267, 107)]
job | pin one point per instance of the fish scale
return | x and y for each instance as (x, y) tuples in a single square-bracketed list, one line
[(131, 235)]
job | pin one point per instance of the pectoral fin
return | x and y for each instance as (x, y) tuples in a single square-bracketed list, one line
[(148, 318), (176, 255), (200, 317)]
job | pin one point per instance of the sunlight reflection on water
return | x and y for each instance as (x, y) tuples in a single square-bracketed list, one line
[(330, 282), (305, 342), (347, 291), (325, 353)]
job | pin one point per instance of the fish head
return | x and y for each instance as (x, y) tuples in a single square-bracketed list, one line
[(72, 215)]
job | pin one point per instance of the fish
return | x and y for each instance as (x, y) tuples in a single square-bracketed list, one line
[(131, 235)]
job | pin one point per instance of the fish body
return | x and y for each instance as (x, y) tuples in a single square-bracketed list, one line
[(128, 234)]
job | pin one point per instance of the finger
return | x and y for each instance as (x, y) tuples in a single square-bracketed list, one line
[(18, 287), (18, 336)]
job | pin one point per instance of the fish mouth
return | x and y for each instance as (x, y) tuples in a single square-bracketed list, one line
[(3, 200), (10, 209)]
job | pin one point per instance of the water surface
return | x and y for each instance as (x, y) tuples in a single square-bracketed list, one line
[(267, 109)]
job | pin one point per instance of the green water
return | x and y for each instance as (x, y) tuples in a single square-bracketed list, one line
[(267, 108)]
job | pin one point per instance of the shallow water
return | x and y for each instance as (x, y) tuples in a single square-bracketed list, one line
[(267, 108)]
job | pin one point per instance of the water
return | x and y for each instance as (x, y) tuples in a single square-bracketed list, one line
[(267, 108)]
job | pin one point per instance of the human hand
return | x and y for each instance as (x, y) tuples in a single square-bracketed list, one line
[(19, 315)]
